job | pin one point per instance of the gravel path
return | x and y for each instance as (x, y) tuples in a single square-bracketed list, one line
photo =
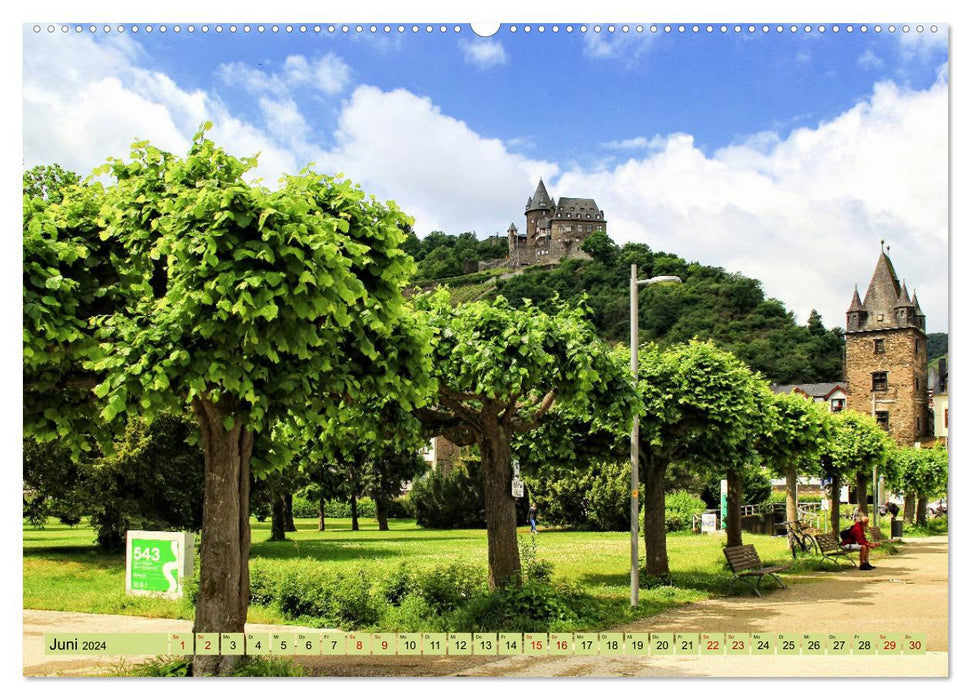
[(905, 593)]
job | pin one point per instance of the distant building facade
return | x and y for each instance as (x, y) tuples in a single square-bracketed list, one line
[(554, 230), (833, 394), (886, 356)]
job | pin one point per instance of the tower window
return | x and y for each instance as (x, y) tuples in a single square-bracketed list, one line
[(879, 381), (883, 419), (878, 346)]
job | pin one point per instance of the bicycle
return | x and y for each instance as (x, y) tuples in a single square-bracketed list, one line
[(800, 539)]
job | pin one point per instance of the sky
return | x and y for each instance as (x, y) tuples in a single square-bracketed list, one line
[(785, 156)]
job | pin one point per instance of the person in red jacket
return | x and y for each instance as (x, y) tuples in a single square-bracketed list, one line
[(856, 540)]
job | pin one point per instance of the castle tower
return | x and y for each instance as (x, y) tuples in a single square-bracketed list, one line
[(886, 355), (539, 207)]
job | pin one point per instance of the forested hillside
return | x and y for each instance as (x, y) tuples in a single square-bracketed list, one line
[(712, 303)]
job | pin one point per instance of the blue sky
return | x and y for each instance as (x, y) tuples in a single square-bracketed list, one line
[(786, 156)]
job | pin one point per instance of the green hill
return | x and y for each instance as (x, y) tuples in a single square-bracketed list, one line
[(729, 308)]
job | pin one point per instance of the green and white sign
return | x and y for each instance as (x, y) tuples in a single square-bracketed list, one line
[(157, 562)]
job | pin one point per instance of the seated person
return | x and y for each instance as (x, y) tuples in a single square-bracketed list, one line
[(856, 541)]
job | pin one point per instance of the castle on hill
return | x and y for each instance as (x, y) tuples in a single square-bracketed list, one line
[(554, 230)]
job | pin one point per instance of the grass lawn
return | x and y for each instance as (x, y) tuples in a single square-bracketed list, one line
[(64, 570)]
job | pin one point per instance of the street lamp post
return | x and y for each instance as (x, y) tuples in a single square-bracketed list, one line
[(635, 428)]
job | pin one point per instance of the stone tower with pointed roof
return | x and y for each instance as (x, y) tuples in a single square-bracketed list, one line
[(554, 229), (886, 355)]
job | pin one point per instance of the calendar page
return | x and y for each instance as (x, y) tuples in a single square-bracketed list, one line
[(410, 346)]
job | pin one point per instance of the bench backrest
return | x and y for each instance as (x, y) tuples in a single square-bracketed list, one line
[(827, 542), (742, 558)]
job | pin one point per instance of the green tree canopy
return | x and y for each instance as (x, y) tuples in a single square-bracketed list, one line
[(703, 407), (249, 305), (500, 370)]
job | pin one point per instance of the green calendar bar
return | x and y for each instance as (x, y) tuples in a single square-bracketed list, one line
[(914, 643), (110, 644), (433, 643), (586, 643), (232, 643), (207, 643), (686, 643), (762, 643), (409, 644), (662, 643), (384, 643), (536, 644), (712, 643), (510, 643), (485, 643), (813, 644), (839, 644), (561, 643), (637, 643), (459, 644), (738, 644), (611, 644), (889, 644), (314, 643), (864, 644), (333, 644), (306, 644)]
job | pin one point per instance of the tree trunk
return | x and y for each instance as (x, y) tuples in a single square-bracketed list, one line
[(733, 521), (223, 595), (288, 524), (910, 501), (381, 512), (861, 485), (834, 512), (655, 531), (500, 506), (321, 525), (278, 518), (922, 510), (792, 497), (354, 524)]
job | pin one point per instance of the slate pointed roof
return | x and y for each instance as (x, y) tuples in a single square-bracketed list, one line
[(855, 304), (904, 298), (884, 290), (540, 199)]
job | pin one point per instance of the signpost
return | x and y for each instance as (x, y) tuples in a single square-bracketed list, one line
[(157, 562), (517, 483)]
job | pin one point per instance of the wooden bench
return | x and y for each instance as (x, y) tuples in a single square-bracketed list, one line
[(831, 549), (745, 563), (875, 535)]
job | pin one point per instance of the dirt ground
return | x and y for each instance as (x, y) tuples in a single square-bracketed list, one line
[(905, 593)]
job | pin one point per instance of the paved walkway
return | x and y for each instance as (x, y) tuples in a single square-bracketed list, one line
[(905, 593)]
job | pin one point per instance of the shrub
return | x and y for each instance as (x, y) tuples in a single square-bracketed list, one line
[(342, 509), (445, 588), (152, 482), (455, 500), (609, 504), (679, 509)]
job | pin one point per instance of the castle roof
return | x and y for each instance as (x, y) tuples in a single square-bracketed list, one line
[(577, 208), (540, 199), (884, 290), (887, 303)]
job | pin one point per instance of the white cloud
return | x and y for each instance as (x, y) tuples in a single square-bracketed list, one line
[(329, 73), (439, 170), (627, 47), (85, 100), (483, 53), (868, 59), (805, 214), (636, 143)]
